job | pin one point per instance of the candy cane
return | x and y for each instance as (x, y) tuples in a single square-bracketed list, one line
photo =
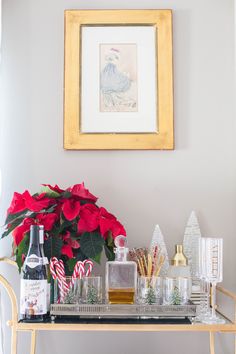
[(53, 261), (77, 273), (58, 272), (63, 286), (90, 267), (79, 270)]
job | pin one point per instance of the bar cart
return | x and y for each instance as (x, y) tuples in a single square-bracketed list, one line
[(33, 328)]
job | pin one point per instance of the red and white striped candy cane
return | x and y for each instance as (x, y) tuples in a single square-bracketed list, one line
[(52, 264), (90, 267), (58, 272), (81, 270), (77, 273)]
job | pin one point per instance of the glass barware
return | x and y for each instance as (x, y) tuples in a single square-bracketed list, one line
[(149, 290), (65, 292), (203, 308), (177, 291), (211, 265), (91, 290)]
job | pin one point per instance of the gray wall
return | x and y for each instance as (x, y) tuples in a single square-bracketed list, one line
[(141, 187)]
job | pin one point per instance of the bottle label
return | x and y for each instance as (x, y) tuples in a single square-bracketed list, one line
[(33, 297), (33, 261)]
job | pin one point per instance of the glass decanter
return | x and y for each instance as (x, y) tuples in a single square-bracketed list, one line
[(121, 275)]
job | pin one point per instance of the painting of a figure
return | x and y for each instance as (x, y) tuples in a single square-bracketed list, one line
[(118, 78)]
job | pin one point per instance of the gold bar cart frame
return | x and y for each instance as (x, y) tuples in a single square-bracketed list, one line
[(16, 326)]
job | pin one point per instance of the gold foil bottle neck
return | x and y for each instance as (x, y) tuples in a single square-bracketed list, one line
[(179, 258)]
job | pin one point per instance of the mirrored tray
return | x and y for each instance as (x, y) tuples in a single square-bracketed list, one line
[(123, 311)]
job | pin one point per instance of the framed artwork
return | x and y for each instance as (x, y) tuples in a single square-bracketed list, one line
[(118, 83)]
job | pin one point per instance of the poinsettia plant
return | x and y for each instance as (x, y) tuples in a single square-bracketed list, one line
[(76, 228)]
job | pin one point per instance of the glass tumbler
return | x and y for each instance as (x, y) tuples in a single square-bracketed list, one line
[(91, 290), (65, 292), (177, 291), (149, 290)]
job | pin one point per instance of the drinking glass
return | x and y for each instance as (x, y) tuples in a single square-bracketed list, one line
[(65, 292), (177, 291), (211, 265), (203, 308), (149, 290), (92, 290)]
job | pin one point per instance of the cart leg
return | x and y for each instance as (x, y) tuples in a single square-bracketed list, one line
[(212, 343), (13, 340), (33, 342)]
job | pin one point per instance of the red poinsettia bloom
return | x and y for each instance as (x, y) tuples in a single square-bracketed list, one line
[(81, 192), (56, 188), (71, 209), (68, 240), (19, 232), (73, 212), (34, 204), (17, 204), (67, 251), (89, 218), (21, 202), (117, 229), (47, 220), (105, 221), (39, 196), (108, 222)]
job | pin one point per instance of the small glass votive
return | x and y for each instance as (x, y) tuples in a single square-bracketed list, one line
[(149, 290), (91, 290), (65, 292), (177, 291)]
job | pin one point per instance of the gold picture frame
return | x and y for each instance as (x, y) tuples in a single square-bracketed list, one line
[(74, 137)]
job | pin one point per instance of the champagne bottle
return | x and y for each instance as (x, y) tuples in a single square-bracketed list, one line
[(33, 296), (46, 264)]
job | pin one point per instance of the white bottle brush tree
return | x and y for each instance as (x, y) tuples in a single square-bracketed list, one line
[(175, 297), (92, 295), (151, 296)]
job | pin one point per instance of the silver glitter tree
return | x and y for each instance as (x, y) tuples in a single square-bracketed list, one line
[(192, 235), (158, 240)]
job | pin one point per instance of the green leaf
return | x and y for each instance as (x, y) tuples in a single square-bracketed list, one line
[(79, 255), (49, 192), (64, 226), (22, 249), (12, 217), (109, 240), (91, 244), (74, 235), (109, 253), (86, 201), (14, 224), (97, 258), (50, 210), (66, 194), (55, 231), (71, 264), (52, 247)]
